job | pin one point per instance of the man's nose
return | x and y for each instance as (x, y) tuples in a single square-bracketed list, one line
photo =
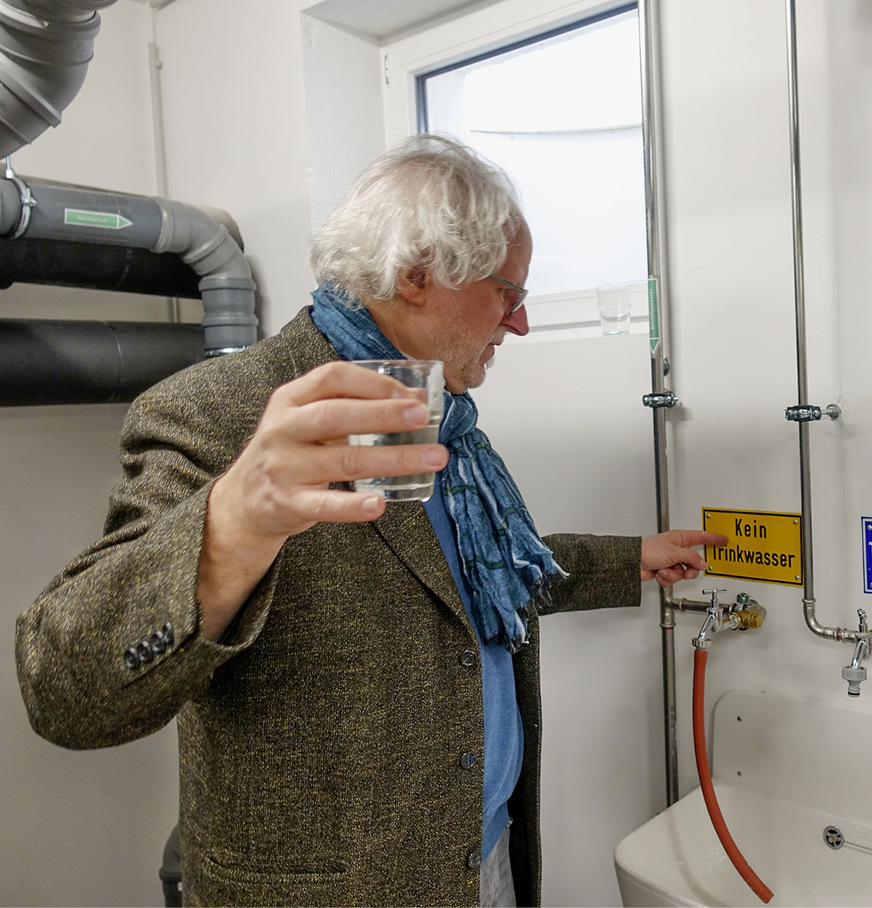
[(517, 322)]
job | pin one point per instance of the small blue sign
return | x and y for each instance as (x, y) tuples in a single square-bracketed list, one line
[(867, 553)]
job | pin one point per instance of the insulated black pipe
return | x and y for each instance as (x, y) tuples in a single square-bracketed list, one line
[(63, 264), (78, 362)]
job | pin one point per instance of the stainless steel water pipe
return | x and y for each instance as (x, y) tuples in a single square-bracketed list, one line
[(649, 61), (660, 398), (804, 413)]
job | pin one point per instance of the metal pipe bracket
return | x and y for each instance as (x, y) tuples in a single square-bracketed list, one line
[(664, 399), (810, 413)]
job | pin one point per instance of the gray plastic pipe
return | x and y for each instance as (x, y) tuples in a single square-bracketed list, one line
[(52, 211), (45, 48)]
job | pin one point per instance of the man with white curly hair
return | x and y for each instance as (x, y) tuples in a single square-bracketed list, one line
[(356, 684)]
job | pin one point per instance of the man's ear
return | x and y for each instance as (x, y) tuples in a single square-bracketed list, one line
[(413, 285)]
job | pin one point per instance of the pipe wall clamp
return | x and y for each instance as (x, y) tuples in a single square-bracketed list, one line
[(25, 197), (666, 399), (810, 413)]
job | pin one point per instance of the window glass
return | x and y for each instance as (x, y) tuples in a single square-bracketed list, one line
[(562, 115)]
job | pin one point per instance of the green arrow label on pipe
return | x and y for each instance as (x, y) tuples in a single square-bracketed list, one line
[(653, 316), (75, 217)]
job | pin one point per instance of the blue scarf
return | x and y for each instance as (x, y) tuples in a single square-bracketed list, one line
[(506, 563)]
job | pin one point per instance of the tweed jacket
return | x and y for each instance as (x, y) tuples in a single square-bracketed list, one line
[(320, 739)]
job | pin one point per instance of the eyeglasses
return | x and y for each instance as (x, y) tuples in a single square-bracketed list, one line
[(517, 295)]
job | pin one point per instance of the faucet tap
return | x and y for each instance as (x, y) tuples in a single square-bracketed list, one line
[(714, 621), (854, 673)]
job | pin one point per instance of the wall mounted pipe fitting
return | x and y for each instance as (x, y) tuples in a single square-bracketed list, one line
[(854, 673), (745, 614), (45, 49)]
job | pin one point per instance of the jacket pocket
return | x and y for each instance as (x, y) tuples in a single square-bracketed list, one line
[(306, 882)]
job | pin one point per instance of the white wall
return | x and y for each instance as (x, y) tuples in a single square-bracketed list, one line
[(78, 828), (235, 118), (238, 137)]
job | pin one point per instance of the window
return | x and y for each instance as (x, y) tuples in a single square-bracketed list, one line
[(560, 111)]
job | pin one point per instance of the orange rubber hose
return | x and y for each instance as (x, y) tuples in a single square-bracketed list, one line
[(761, 890)]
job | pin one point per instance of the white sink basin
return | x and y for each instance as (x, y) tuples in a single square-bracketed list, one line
[(784, 770)]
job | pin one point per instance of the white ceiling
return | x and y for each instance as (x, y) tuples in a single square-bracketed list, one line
[(377, 19)]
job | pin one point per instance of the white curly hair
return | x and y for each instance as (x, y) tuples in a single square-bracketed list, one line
[(429, 203)]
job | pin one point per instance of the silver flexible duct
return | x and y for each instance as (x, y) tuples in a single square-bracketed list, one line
[(45, 48)]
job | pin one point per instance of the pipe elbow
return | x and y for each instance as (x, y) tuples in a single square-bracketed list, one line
[(809, 611), (200, 240), (226, 286), (46, 47)]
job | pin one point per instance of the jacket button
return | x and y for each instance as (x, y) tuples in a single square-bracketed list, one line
[(168, 635), (467, 760), (144, 652), (157, 642), (473, 860), (131, 660), (468, 658)]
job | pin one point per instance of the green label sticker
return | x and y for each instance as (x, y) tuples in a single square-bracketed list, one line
[(105, 220), (653, 316)]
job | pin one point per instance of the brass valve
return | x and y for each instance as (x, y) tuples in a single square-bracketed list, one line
[(751, 617)]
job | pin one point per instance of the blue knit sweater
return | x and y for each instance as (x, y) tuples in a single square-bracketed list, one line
[(503, 736)]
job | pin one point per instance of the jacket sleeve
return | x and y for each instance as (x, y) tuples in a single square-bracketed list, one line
[(604, 572), (112, 649)]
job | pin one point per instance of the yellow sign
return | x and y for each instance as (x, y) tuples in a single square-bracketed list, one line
[(762, 545)]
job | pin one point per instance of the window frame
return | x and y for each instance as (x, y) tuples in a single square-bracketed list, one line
[(420, 84), (478, 35)]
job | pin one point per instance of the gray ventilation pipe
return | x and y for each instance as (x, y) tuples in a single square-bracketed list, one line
[(53, 211), (45, 48)]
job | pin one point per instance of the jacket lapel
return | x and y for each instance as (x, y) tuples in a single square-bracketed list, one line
[(404, 527), (406, 530)]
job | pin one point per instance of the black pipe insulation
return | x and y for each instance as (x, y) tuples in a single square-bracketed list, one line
[(81, 362), (117, 268)]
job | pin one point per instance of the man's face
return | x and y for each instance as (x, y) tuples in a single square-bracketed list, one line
[(474, 320)]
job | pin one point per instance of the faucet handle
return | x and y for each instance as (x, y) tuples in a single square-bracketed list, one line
[(714, 594), (864, 627)]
